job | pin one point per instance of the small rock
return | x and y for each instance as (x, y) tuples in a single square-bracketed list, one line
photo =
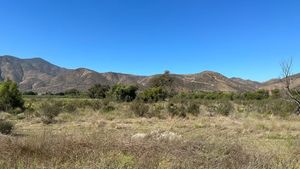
[(170, 136), (138, 136), (157, 135)]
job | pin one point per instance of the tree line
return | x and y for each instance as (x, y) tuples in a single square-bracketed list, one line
[(160, 88)]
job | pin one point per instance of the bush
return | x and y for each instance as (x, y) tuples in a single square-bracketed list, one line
[(140, 109), (50, 110), (6, 127), (175, 110), (30, 93), (157, 111), (98, 91), (70, 107), (193, 109), (276, 93), (153, 94), (224, 108), (121, 92), (278, 107), (221, 107), (95, 105), (164, 81), (10, 96), (72, 92), (107, 107), (258, 95), (172, 109)]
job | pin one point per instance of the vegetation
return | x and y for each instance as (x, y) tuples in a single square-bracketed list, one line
[(193, 108), (153, 94), (29, 93), (48, 111), (294, 95), (164, 82), (140, 109), (6, 127), (10, 96), (98, 91), (72, 92), (121, 127), (123, 93)]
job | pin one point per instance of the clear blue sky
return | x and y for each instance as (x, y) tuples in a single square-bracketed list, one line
[(244, 38)]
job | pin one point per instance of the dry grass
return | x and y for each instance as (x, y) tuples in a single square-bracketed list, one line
[(91, 139)]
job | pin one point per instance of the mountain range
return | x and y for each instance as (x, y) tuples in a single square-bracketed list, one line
[(41, 76)]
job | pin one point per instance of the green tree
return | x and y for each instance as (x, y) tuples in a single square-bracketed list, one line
[(98, 91), (10, 96)]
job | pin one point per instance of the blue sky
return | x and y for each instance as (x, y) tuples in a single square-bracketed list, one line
[(243, 38)]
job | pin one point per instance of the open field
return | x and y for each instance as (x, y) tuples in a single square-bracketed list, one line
[(96, 137), (149, 84)]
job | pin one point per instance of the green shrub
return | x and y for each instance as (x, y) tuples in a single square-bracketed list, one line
[(140, 109), (95, 105), (175, 110), (253, 95), (6, 127), (157, 111), (70, 107), (10, 96), (98, 91), (282, 108), (278, 107), (108, 108), (258, 95), (153, 94), (125, 93), (164, 80), (72, 92), (172, 109), (224, 108), (16, 111), (182, 111), (193, 108), (221, 107), (29, 93), (276, 93)]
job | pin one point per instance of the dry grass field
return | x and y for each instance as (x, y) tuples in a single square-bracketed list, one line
[(91, 139)]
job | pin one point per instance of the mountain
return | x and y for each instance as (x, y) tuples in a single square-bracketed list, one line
[(253, 84), (41, 76), (212, 81), (278, 83)]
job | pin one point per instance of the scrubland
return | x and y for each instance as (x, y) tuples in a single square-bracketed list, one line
[(85, 133)]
